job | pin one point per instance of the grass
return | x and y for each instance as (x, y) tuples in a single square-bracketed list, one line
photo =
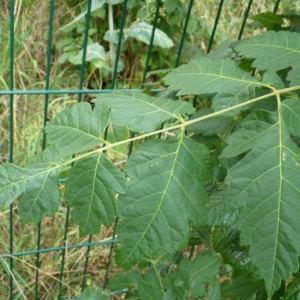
[(31, 21)]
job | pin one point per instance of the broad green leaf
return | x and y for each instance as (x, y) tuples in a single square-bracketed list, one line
[(243, 288), (142, 32), (213, 76), (211, 126), (90, 191), (95, 53), (291, 115), (272, 50), (165, 192), (254, 127), (140, 112), (265, 185), (190, 276), (294, 76), (78, 128)]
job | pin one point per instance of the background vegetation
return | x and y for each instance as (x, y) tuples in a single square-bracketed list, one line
[(31, 25)]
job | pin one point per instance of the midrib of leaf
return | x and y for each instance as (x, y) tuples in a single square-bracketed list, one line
[(157, 108), (37, 196), (136, 138), (163, 197), (280, 181), (84, 133), (94, 179)]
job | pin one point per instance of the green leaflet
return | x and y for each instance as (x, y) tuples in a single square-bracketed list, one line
[(90, 191), (140, 112), (265, 184), (166, 191), (272, 50), (38, 182), (190, 277), (213, 76), (77, 129)]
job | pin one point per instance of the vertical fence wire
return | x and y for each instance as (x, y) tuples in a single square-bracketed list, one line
[(276, 6), (81, 81), (245, 19), (215, 26), (158, 4), (184, 33), (114, 78), (11, 133), (47, 83)]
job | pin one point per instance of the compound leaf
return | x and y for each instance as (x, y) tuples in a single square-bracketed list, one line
[(265, 185), (140, 112), (167, 190), (77, 129), (272, 50), (213, 76), (90, 191)]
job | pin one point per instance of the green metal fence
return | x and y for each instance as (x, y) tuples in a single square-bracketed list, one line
[(86, 249)]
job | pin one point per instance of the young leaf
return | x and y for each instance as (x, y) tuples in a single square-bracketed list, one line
[(143, 31), (272, 50), (78, 128), (90, 191), (190, 276), (140, 112), (166, 191), (265, 183), (213, 76)]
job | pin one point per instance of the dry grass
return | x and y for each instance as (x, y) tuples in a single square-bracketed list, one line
[(30, 74)]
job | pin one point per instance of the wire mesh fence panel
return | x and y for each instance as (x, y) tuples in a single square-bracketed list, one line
[(57, 53)]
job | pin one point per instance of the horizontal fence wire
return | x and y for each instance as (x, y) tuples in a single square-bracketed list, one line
[(80, 91)]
